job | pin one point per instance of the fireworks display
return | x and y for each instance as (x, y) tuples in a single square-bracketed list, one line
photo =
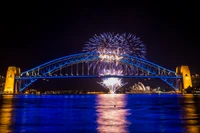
[(111, 48), (113, 84), (116, 44)]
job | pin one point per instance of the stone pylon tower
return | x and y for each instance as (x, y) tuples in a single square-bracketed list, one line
[(11, 86), (186, 81)]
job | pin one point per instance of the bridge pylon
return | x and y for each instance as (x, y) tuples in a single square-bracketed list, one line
[(186, 80), (11, 85)]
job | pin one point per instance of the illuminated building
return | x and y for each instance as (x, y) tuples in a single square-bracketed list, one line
[(196, 81)]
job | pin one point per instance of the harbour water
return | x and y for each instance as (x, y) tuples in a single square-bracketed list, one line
[(100, 113)]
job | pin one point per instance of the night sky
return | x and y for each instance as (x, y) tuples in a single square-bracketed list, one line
[(34, 33)]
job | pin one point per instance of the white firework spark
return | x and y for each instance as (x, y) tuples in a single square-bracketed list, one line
[(113, 84)]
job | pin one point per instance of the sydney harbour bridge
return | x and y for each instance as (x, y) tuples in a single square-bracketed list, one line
[(78, 66), (102, 63)]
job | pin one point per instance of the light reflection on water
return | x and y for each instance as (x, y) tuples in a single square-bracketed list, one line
[(111, 113), (191, 105), (5, 113), (104, 113)]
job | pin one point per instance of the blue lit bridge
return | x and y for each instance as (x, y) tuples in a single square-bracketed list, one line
[(79, 66)]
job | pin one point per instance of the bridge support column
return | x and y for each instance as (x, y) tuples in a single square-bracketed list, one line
[(16, 88), (186, 77), (11, 86)]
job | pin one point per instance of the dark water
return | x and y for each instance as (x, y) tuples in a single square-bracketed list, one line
[(104, 113)]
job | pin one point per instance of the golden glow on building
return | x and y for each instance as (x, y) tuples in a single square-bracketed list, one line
[(10, 80), (6, 113), (186, 76), (111, 115)]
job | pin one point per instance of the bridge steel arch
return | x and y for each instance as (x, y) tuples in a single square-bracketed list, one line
[(145, 69), (46, 69)]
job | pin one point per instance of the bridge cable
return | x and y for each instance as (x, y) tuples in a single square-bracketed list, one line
[(82, 68), (77, 69), (88, 69), (71, 70)]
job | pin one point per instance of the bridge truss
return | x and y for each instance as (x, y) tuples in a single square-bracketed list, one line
[(79, 66)]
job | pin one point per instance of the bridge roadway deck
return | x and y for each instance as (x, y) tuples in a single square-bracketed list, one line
[(95, 76)]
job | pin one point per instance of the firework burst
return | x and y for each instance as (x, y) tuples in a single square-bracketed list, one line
[(113, 84), (135, 46), (116, 43), (111, 48)]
